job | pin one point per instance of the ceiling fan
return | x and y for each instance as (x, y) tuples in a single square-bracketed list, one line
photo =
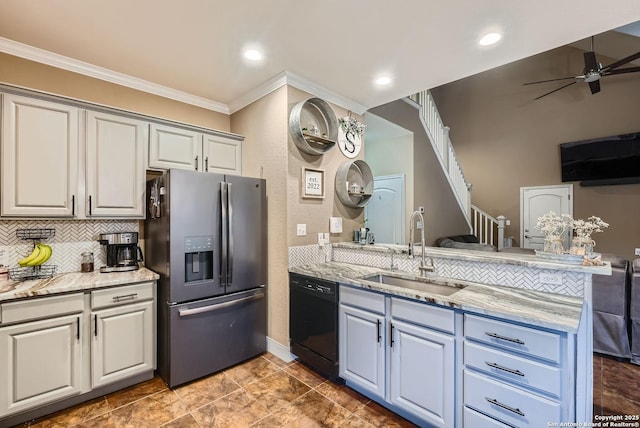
[(593, 72)]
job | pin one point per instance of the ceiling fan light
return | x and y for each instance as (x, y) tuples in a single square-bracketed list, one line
[(490, 39)]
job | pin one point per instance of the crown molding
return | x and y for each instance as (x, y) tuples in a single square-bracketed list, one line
[(42, 56), (65, 63)]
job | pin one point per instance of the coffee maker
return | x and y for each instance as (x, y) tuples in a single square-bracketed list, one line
[(123, 252)]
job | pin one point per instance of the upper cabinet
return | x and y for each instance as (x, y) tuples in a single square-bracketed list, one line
[(115, 173), (222, 154), (39, 153), (173, 147)]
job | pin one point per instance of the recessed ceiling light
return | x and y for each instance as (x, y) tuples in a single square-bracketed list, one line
[(490, 39), (253, 54), (383, 80)]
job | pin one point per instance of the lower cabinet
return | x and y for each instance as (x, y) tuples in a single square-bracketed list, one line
[(399, 352), (41, 361), (48, 345), (122, 344)]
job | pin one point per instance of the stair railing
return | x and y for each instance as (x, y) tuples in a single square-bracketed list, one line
[(439, 136), (487, 229)]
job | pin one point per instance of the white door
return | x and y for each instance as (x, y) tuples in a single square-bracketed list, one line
[(385, 212), (537, 201), (115, 166)]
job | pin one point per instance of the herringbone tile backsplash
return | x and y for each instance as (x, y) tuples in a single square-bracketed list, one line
[(72, 238)]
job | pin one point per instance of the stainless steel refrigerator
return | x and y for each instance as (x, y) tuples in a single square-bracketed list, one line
[(206, 236)]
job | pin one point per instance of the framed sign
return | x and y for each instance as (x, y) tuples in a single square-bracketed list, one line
[(312, 183)]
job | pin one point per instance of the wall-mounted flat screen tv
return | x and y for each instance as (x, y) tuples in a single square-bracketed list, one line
[(602, 161)]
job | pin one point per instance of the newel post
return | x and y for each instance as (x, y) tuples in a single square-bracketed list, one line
[(502, 220)]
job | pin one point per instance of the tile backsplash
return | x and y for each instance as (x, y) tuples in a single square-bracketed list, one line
[(71, 239)]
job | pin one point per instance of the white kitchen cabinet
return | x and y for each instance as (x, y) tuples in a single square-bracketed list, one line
[(221, 154), (422, 372), (400, 352), (115, 171), (39, 152), (41, 360), (362, 349), (173, 147)]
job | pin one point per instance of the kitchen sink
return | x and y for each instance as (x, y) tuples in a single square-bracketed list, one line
[(428, 285)]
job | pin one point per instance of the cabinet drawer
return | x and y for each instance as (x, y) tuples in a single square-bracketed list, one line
[(508, 404), (423, 314), (475, 419), (513, 369), (44, 307), (505, 335), (362, 299), (121, 295)]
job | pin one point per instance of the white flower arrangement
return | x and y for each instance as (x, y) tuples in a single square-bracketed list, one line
[(584, 228), (553, 224), (350, 124)]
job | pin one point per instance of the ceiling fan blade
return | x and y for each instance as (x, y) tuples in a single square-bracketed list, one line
[(555, 90), (594, 86), (622, 71), (623, 61), (552, 80), (590, 62)]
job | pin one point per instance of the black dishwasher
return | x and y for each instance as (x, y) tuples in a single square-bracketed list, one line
[(313, 322)]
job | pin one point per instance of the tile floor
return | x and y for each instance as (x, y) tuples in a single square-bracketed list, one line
[(266, 392)]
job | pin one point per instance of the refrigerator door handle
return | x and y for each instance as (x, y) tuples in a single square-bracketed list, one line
[(230, 237), (224, 234), (210, 308)]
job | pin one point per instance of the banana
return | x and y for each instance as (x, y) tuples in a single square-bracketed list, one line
[(43, 256), (31, 257)]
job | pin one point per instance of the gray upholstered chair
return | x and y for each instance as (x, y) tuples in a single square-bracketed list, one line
[(634, 312), (611, 309)]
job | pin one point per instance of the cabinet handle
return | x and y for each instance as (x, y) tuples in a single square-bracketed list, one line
[(503, 368), (78, 331), (391, 333), (508, 339), (504, 406), (73, 205), (89, 204), (196, 163), (95, 325), (206, 164), (131, 296), (379, 336)]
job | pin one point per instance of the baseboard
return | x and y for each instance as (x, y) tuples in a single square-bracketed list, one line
[(279, 350)]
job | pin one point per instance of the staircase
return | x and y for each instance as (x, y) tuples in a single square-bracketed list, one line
[(487, 229)]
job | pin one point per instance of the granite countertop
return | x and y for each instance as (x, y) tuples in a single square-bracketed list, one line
[(73, 281), (518, 259), (541, 309)]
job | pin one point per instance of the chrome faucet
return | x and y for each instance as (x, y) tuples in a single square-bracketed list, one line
[(424, 267)]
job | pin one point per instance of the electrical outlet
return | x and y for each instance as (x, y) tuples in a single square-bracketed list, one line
[(550, 278), (327, 238), (320, 239), (421, 209), (301, 230), (637, 251)]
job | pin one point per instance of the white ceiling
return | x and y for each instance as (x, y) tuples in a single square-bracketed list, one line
[(195, 46)]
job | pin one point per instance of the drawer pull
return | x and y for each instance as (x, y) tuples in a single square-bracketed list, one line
[(506, 369), (508, 339), (131, 296), (504, 406)]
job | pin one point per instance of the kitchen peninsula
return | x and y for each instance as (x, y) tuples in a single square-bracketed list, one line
[(511, 346)]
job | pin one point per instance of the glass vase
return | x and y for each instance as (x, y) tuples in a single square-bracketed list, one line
[(553, 244), (582, 245)]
